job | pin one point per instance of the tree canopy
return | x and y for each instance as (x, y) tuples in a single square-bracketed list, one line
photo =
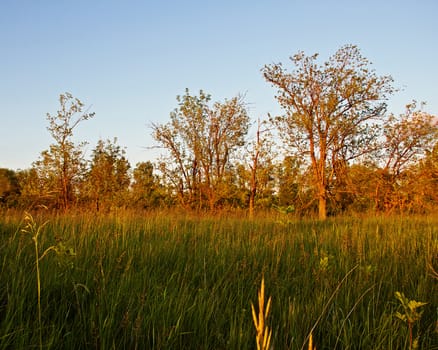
[(201, 141), (332, 111)]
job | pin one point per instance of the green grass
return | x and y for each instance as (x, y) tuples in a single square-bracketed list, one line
[(163, 282)]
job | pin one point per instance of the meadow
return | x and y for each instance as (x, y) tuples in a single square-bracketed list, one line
[(165, 281)]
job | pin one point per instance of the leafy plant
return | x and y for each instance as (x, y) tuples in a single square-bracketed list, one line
[(410, 315)]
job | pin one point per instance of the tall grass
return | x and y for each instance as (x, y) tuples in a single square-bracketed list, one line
[(163, 282)]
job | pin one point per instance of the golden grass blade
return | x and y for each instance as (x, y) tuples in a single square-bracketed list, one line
[(254, 316), (264, 334), (310, 347)]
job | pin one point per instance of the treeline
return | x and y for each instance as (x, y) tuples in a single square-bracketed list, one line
[(283, 186), (336, 149)]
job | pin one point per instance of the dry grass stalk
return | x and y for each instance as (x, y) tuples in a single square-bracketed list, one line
[(432, 271), (263, 337), (311, 347)]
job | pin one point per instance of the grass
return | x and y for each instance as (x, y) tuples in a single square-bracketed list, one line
[(264, 335), (179, 282)]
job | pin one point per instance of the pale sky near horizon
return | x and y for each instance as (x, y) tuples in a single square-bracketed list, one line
[(128, 60)]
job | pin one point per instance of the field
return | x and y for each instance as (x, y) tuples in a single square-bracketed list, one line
[(182, 282)]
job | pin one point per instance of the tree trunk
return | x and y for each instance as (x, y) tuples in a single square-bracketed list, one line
[(65, 194), (65, 184), (251, 202), (321, 184), (253, 186), (322, 206)]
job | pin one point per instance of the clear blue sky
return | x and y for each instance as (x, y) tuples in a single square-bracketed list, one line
[(129, 59)]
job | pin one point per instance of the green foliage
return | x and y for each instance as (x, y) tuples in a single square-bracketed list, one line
[(9, 188), (147, 191), (410, 315), (108, 180), (289, 178)]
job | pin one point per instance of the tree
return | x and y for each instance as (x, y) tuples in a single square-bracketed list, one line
[(329, 110), (362, 182), (260, 163), (64, 159), (408, 138), (9, 187), (108, 178), (146, 188), (289, 182), (425, 182), (201, 141)]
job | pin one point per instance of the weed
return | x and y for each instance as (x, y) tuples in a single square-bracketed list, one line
[(410, 315), (34, 230)]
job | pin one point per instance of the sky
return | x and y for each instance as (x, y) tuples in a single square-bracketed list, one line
[(127, 60)]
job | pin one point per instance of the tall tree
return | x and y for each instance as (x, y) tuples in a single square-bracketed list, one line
[(329, 110), (201, 141), (64, 159), (108, 178)]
